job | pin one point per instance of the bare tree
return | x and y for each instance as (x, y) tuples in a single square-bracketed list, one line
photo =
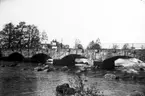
[(44, 37), (125, 46), (142, 47), (7, 36), (78, 45), (94, 45), (115, 47), (20, 30)]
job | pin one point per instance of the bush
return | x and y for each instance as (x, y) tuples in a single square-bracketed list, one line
[(40, 58), (15, 57), (80, 87), (140, 54)]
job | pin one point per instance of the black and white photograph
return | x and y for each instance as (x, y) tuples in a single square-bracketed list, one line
[(72, 47)]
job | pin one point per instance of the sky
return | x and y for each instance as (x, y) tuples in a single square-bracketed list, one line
[(113, 21)]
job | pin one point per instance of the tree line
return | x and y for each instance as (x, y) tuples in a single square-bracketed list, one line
[(19, 36), (26, 36)]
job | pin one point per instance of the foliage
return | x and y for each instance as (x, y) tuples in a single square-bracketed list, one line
[(94, 45), (115, 46), (132, 47), (19, 36), (140, 54), (44, 37), (32, 36), (125, 46), (7, 36), (142, 47), (80, 87), (78, 44)]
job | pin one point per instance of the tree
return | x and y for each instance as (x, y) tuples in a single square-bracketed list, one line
[(142, 47), (94, 45), (44, 37), (98, 41), (90, 46), (115, 47), (132, 47), (32, 36), (7, 36), (20, 31), (78, 44), (125, 46), (20, 36)]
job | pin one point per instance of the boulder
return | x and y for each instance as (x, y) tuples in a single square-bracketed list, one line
[(141, 69), (65, 89), (50, 69), (70, 91), (111, 76), (130, 71), (131, 62), (65, 68), (131, 65), (38, 68), (61, 88), (14, 64)]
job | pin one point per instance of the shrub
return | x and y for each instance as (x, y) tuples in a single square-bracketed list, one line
[(141, 55), (80, 87)]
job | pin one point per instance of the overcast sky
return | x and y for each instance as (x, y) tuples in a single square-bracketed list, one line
[(113, 21)]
